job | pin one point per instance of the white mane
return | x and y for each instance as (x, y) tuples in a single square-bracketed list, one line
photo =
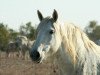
[(82, 51)]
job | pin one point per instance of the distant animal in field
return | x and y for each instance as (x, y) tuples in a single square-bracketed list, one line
[(73, 51), (24, 44), (12, 47)]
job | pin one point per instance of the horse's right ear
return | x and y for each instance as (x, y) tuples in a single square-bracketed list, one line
[(55, 15), (39, 15)]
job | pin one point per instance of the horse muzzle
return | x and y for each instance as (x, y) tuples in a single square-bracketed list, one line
[(35, 56), (38, 54)]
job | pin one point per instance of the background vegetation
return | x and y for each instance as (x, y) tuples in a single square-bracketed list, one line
[(93, 31), (7, 34)]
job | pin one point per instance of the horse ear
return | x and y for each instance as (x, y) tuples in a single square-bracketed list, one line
[(55, 15), (39, 15)]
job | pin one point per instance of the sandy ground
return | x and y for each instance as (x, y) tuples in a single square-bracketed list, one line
[(16, 66)]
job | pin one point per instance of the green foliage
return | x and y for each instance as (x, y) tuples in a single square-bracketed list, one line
[(7, 34), (96, 32), (93, 30), (93, 24), (4, 36), (12, 34), (28, 30)]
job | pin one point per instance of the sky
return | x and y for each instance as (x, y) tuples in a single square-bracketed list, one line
[(17, 12)]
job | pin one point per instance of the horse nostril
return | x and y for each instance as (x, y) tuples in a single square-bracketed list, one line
[(35, 55)]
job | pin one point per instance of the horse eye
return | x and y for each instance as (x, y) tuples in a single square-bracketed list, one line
[(51, 31)]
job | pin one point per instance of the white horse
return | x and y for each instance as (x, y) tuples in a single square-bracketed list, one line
[(75, 53), (12, 47), (24, 44)]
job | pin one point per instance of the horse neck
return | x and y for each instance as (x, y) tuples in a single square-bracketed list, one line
[(78, 47), (68, 40), (76, 42), (64, 62)]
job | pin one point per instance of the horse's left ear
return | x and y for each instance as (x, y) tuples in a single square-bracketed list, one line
[(39, 15), (55, 15)]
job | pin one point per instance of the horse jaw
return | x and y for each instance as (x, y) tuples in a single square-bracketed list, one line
[(64, 62)]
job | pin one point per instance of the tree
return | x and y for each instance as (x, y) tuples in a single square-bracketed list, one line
[(4, 36), (93, 24), (13, 34), (93, 31), (22, 30), (28, 30), (96, 32)]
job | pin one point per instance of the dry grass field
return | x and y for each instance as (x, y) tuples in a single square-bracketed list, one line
[(16, 66)]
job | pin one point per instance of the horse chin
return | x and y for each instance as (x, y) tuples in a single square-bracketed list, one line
[(40, 60)]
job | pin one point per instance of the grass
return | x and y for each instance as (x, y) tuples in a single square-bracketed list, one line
[(17, 66)]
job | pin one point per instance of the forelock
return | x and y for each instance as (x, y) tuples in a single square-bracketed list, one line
[(44, 22)]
